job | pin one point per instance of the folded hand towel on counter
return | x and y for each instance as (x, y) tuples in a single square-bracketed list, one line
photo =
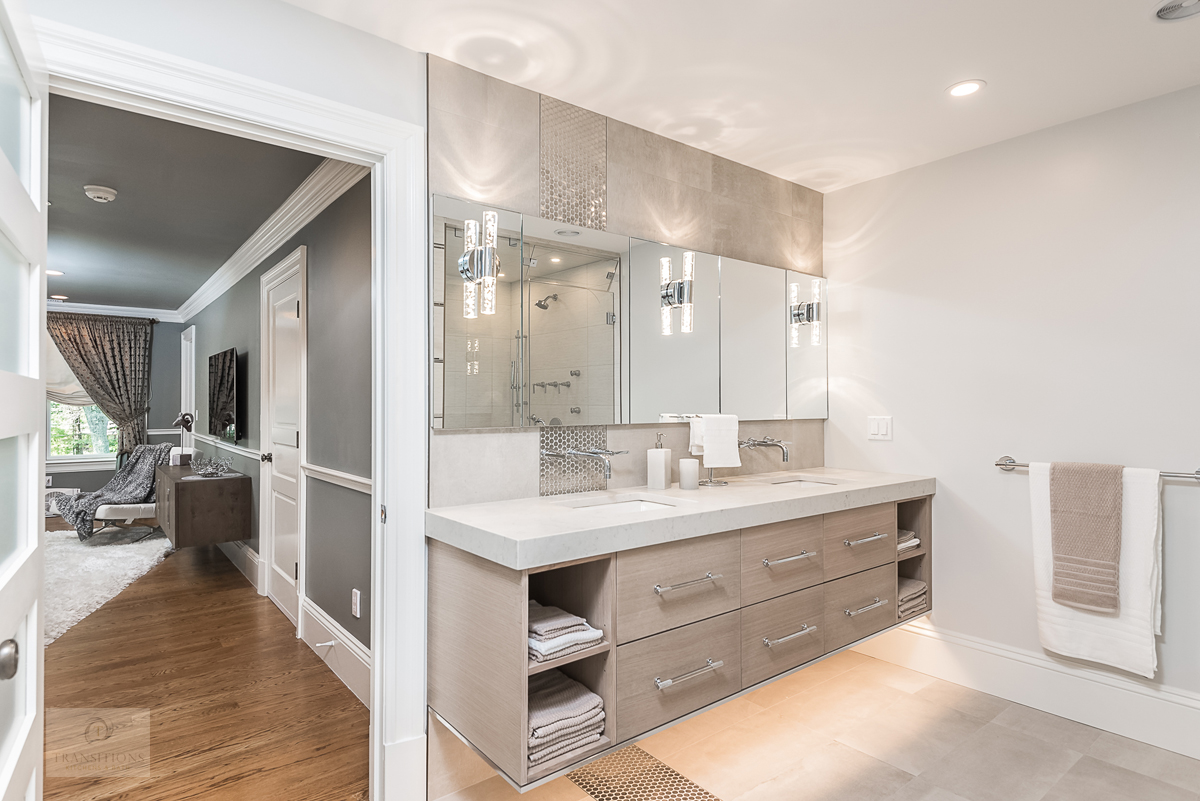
[(1085, 534), (1124, 640), (715, 438)]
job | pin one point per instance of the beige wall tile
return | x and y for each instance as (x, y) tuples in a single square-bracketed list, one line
[(808, 204), (481, 466), (647, 206), (807, 253), (476, 161), (643, 151), (750, 233), (752, 187)]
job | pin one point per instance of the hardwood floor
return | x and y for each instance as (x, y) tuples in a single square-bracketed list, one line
[(239, 708)]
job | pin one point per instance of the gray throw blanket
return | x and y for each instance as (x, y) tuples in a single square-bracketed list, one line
[(133, 483)]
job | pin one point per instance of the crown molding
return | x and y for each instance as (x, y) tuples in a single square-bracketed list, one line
[(326, 184), (162, 315)]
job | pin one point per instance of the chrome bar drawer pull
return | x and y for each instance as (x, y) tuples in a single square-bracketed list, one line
[(660, 589), (806, 629), (663, 684), (872, 538), (878, 603), (785, 560)]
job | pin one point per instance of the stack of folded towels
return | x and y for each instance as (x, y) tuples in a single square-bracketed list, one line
[(554, 633), (564, 716), (914, 596), (906, 540)]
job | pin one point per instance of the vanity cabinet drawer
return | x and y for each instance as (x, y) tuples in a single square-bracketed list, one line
[(782, 633), (858, 539), (858, 606), (780, 558), (663, 677), (665, 586)]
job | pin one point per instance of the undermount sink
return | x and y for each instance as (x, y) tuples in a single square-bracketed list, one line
[(628, 502)]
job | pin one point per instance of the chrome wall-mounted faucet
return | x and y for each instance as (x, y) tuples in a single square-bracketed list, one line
[(599, 454), (766, 442)]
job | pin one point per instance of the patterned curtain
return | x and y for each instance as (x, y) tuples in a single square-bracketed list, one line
[(111, 358)]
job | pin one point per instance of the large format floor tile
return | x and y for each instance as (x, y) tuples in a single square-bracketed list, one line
[(999, 764), (1093, 780), (1163, 765), (833, 772), (911, 734), (1051, 728)]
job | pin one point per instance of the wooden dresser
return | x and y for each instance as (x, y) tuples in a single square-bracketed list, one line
[(194, 510)]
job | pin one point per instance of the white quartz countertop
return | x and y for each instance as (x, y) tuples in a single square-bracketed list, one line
[(534, 532)]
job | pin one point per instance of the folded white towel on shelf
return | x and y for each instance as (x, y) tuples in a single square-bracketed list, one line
[(552, 647), (715, 438), (1124, 640), (905, 545)]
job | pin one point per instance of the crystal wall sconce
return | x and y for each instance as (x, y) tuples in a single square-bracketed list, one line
[(677, 294), (479, 266), (803, 313)]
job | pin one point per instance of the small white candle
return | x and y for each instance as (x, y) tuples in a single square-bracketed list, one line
[(689, 474)]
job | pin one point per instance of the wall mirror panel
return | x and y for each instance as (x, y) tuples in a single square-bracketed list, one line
[(536, 322), (572, 356)]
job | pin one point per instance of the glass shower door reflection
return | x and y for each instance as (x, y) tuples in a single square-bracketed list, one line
[(571, 354)]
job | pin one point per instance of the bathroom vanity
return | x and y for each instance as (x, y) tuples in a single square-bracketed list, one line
[(701, 596)]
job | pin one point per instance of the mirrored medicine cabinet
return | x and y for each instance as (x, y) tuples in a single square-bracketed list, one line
[(537, 322)]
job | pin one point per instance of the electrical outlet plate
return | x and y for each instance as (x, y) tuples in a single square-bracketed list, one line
[(49, 481), (879, 428), (354, 603)]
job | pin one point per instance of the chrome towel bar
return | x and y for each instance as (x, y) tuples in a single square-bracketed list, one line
[(1008, 463)]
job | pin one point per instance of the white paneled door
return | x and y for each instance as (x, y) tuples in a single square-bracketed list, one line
[(22, 406), (282, 291)]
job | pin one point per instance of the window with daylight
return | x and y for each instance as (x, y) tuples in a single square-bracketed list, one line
[(80, 432)]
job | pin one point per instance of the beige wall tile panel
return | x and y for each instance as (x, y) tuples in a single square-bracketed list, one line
[(781, 541), (809, 205), (754, 234), (476, 161), (751, 187), (641, 705), (777, 618), (643, 151), (641, 612), (854, 593), (481, 466), (646, 206), (854, 525)]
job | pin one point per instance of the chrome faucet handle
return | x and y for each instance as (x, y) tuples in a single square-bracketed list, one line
[(606, 451), (555, 454)]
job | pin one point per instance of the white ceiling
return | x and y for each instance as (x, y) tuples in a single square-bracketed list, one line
[(827, 93)]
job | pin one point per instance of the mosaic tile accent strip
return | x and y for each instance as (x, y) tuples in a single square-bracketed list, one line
[(564, 476), (574, 165), (633, 775)]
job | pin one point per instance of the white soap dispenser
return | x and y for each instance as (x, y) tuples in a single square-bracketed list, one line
[(658, 466)]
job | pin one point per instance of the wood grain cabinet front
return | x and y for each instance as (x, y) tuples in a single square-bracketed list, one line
[(782, 633), (666, 676), (780, 558), (859, 539), (858, 606), (676, 583)]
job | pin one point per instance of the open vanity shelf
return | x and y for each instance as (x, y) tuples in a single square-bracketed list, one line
[(687, 624)]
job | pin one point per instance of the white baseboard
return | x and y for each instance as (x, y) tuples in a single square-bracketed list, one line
[(247, 561), (403, 775), (348, 659), (1128, 706)]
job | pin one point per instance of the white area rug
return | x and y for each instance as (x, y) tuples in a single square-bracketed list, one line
[(82, 576)]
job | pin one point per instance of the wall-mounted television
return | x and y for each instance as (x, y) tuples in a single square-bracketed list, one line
[(223, 395)]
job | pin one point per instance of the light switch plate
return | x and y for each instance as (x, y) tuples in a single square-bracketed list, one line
[(49, 481), (879, 428), (354, 610)]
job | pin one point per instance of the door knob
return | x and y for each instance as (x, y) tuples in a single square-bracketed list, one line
[(10, 657), (267, 457)]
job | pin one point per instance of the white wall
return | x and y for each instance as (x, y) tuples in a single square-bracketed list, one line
[(1035, 298), (265, 39)]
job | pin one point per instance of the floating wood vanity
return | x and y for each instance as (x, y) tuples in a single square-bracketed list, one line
[(714, 594)]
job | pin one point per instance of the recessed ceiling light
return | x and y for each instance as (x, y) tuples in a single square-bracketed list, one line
[(54, 272), (500, 275), (58, 297), (100, 194), (1178, 9), (566, 232), (556, 259), (964, 88)]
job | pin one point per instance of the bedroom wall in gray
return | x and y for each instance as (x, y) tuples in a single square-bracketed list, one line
[(339, 390)]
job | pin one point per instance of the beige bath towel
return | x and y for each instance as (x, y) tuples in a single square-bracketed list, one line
[(909, 588), (1085, 534), (559, 749), (548, 622), (554, 698)]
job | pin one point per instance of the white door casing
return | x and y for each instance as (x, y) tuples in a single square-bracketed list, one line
[(23, 401), (187, 381), (282, 402)]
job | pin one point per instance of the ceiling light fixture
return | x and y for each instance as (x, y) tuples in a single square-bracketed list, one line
[(556, 260), (479, 265), (55, 272), (100, 194), (58, 297), (964, 88), (676, 294), (1177, 10)]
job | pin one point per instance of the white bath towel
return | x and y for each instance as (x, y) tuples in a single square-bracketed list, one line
[(1125, 640), (715, 438), (561, 643)]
